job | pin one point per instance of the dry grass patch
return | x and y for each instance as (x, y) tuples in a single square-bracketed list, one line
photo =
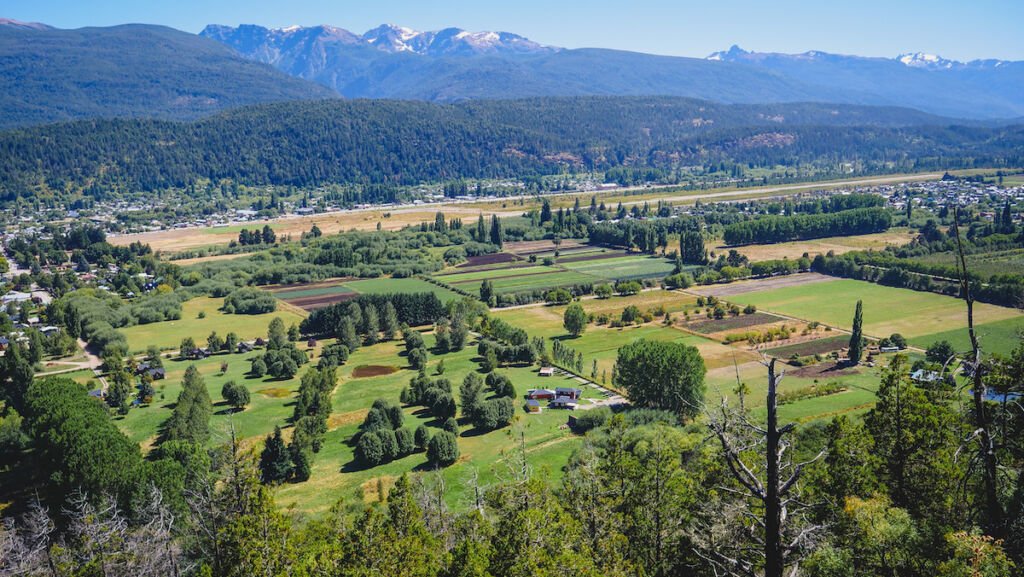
[(338, 420), (837, 244), (274, 392), (372, 488)]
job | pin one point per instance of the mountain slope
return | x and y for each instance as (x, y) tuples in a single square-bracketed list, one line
[(979, 89), (451, 65), (129, 71), (383, 143)]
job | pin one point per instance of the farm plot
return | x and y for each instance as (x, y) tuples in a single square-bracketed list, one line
[(887, 310), (315, 295), (552, 278), (812, 347), (400, 285), (528, 247), (622, 267), (711, 326), (995, 337), (984, 264)]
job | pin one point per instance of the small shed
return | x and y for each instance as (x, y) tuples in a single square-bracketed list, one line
[(547, 371), (533, 406)]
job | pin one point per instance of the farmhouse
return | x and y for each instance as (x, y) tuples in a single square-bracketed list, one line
[(568, 392), (547, 394), (563, 403)]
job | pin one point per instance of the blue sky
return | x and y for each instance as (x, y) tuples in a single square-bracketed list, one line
[(955, 29)]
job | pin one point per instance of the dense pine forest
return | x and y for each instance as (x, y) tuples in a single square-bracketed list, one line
[(404, 143)]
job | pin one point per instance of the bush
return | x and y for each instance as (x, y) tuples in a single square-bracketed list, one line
[(443, 449), (235, 394), (678, 281)]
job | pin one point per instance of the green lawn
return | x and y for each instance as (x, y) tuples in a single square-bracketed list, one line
[(887, 310), (553, 279), (496, 273), (400, 285), (168, 334)]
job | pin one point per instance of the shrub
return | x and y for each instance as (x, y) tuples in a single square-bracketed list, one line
[(406, 441), (422, 437)]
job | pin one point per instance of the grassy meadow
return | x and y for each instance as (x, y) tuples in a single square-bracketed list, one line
[(167, 335)]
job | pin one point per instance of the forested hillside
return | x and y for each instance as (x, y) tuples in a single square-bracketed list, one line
[(399, 142), (134, 70)]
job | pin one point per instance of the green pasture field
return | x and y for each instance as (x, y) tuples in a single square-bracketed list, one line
[(167, 335), (399, 285), (336, 475), (625, 267), (271, 398), (995, 337), (887, 310)]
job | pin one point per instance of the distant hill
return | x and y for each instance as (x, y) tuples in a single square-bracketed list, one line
[(134, 70), (452, 64), (383, 143)]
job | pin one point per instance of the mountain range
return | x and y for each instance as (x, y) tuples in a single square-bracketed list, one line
[(49, 74), (453, 64)]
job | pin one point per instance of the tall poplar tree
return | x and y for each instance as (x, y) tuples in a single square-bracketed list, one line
[(857, 336)]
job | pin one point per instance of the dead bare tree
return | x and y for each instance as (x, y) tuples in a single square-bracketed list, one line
[(986, 454), (768, 480)]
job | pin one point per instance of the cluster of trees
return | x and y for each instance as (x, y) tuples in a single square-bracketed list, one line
[(566, 356), (248, 237), (412, 309), (902, 492), (382, 438), (282, 358), (415, 348), (249, 301), (769, 229), (438, 143), (312, 410), (487, 413), (435, 395), (661, 375)]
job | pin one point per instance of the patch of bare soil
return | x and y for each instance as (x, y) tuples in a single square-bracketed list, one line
[(372, 371), (759, 285)]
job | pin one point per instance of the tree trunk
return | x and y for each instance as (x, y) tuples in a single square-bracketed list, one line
[(773, 502)]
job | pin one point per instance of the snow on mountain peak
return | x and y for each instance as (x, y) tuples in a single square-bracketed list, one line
[(925, 60)]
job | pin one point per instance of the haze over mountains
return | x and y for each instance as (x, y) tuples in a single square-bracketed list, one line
[(452, 64), (136, 70)]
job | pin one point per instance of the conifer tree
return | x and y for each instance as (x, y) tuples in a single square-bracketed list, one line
[(275, 462), (190, 420)]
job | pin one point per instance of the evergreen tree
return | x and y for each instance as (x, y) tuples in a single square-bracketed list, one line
[(347, 334), (389, 321), (372, 325), (497, 235), (443, 449), (857, 335), (190, 420), (275, 462), (481, 229), (487, 292)]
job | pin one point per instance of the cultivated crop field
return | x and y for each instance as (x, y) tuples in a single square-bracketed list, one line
[(312, 296), (622, 267), (168, 334), (985, 264), (919, 316)]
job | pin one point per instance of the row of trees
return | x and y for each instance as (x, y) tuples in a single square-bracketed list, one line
[(769, 229)]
